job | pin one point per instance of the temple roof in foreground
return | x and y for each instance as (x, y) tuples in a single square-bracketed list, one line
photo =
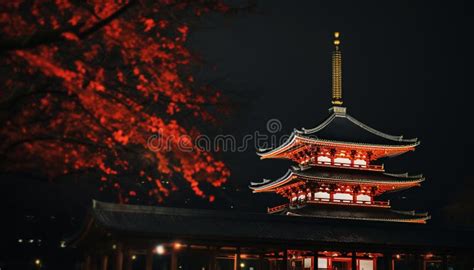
[(191, 225), (341, 128), (339, 175), (357, 213)]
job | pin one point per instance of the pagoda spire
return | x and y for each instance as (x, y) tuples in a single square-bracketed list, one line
[(336, 72)]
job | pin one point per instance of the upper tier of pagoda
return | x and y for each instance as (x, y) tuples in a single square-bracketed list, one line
[(339, 136), (339, 140)]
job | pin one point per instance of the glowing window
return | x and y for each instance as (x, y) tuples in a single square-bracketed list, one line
[(324, 159), (366, 264), (363, 198), (322, 263), (360, 162), (342, 160), (342, 197), (321, 195)]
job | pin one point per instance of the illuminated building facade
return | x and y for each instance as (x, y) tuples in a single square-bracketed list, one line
[(332, 220), (337, 175)]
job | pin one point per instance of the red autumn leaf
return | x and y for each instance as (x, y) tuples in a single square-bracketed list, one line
[(70, 36)]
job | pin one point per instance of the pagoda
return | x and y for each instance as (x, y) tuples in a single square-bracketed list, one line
[(338, 174)]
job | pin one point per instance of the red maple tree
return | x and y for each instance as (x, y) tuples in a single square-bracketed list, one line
[(86, 83)]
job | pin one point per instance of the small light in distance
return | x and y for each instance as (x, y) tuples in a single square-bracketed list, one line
[(160, 250), (177, 245)]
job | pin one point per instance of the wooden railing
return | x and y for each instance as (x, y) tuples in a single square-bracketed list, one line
[(276, 209), (279, 208), (382, 202)]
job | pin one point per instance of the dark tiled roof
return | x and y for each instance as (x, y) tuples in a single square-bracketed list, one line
[(327, 174), (341, 128), (355, 175), (357, 213), (173, 223), (345, 128)]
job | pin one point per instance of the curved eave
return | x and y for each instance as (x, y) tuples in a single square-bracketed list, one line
[(265, 153), (353, 120), (319, 127), (267, 185), (400, 188), (417, 218), (358, 144), (296, 136), (398, 182)]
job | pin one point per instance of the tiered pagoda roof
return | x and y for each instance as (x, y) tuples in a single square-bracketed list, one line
[(385, 181), (341, 129), (336, 177), (357, 213)]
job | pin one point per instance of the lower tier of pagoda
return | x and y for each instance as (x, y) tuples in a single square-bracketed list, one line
[(328, 211), (339, 195), (299, 203)]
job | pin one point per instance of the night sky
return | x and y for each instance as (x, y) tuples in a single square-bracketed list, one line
[(405, 71)]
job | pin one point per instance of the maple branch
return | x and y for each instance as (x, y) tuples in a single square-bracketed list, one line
[(43, 38), (106, 21)]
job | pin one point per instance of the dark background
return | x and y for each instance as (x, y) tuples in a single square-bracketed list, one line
[(406, 71)]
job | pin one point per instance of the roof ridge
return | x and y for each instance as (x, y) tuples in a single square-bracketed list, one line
[(320, 126), (292, 137), (286, 176), (302, 168), (301, 173), (260, 183), (415, 142), (327, 179), (412, 212), (377, 132), (99, 207), (405, 174)]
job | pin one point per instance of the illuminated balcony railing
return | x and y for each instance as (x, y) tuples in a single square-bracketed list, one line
[(348, 165), (299, 204)]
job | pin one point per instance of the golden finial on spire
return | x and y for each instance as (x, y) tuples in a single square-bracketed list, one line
[(336, 40), (337, 72)]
